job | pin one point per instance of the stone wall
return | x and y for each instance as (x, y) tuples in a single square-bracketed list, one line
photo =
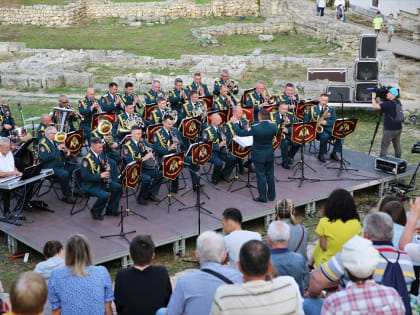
[(408, 21)]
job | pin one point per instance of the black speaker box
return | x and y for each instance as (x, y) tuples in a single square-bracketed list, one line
[(367, 46), (366, 70), (330, 74), (334, 91), (360, 94)]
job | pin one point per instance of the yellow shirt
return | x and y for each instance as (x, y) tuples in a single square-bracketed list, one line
[(336, 234), (377, 22)]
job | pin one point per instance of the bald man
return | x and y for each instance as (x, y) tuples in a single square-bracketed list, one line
[(46, 121), (88, 106)]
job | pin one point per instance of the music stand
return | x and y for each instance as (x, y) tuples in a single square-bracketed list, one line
[(342, 128), (190, 127), (302, 133), (148, 110), (74, 142), (130, 178), (172, 166)]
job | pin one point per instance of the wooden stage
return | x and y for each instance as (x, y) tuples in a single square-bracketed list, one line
[(174, 227)]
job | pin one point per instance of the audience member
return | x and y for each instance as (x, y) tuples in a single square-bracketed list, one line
[(397, 212), (28, 293), (232, 221), (377, 227), (377, 23), (80, 287), (142, 289), (285, 262), (390, 22), (362, 295), (54, 254), (298, 241), (256, 295), (341, 223), (194, 292), (385, 199)]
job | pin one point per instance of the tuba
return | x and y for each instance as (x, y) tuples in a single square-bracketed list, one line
[(104, 128), (319, 128)]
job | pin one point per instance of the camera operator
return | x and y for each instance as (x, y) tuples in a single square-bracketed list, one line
[(392, 121)]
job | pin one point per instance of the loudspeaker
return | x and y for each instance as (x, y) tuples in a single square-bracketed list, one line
[(367, 46), (334, 91), (366, 70), (330, 74), (360, 94)]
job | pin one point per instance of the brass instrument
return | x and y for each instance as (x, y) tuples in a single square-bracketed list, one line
[(99, 108), (270, 99), (285, 122), (76, 112), (152, 161), (223, 136), (200, 109), (172, 113), (183, 95), (175, 140), (130, 122), (319, 128), (105, 128), (60, 137), (231, 86), (232, 96)]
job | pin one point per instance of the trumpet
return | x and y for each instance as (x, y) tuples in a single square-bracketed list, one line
[(104, 128), (319, 127), (97, 107), (175, 140)]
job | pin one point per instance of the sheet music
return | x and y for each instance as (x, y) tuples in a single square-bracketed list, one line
[(244, 141)]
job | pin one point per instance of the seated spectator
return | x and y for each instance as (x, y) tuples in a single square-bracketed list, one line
[(256, 295), (385, 199), (341, 223), (28, 293), (360, 259), (54, 253), (232, 220), (194, 292), (80, 287), (377, 227), (285, 262), (397, 212), (298, 241), (142, 289)]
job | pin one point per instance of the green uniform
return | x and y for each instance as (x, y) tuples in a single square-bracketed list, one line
[(194, 87), (6, 118), (219, 83), (84, 109), (254, 100)]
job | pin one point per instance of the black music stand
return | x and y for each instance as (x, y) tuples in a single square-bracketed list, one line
[(130, 181), (300, 136)]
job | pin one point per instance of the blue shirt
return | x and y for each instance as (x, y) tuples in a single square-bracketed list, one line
[(194, 292), (80, 295)]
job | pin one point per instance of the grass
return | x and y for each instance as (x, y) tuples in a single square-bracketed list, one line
[(160, 41), (18, 3)]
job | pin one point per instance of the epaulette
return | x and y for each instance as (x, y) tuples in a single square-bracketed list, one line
[(106, 95), (43, 141)]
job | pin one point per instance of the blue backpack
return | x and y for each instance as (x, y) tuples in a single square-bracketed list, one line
[(393, 277)]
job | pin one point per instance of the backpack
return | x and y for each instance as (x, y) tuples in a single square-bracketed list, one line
[(393, 277), (399, 114)]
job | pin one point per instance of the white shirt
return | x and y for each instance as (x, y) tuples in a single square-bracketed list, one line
[(234, 242), (338, 2), (7, 163)]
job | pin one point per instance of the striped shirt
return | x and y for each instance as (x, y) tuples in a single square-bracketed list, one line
[(333, 269)]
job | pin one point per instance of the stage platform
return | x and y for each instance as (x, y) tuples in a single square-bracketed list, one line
[(174, 227)]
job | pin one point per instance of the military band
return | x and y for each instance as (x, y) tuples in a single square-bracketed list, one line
[(46, 121), (159, 112), (289, 96)]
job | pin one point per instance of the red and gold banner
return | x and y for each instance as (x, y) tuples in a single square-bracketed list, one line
[(148, 110), (191, 127), (202, 152), (271, 108), (150, 131), (132, 174), (208, 100), (224, 114), (109, 116), (74, 142), (349, 125), (249, 113), (303, 131), (243, 98), (172, 165), (238, 151), (276, 141), (303, 107)]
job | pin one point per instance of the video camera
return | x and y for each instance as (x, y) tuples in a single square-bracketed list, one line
[(381, 91)]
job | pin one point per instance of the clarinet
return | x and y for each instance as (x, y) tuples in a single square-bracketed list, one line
[(106, 180)]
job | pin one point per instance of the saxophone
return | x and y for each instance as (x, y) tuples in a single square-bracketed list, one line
[(319, 128), (285, 122)]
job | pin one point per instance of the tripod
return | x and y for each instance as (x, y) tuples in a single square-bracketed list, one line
[(247, 183)]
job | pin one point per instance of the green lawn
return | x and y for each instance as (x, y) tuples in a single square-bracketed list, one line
[(18, 3), (160, 41)]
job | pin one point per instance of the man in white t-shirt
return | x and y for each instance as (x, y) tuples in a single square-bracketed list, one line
[(232, 223), (7, 168)]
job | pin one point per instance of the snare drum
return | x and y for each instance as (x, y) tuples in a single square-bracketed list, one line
[(18, 133)]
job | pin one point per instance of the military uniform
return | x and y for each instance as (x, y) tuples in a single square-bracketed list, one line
[(157, 116), (218, 84), (221, 103), (151, 177), (40, 131), (52, 157), (71, 119), (6, 119), (84, 109), (113, 156), (176, 100), (219, 155), (120, 124), (287, 99), (312, 115), (194, 87), (107, 103), (128, 99), (93, 184), (254, 100), (150, 97), (162, 140), (263, 133), (229, 131)]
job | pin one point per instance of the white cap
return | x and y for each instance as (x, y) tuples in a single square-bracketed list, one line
[(359, 257)]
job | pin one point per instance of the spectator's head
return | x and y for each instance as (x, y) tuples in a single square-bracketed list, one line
[(378, 226), (340, 205), (142, 250), (231, 220), (385, 199), (263, 114), (397, 212), (78, 254), (391, 16), (278, 234), (359, 258), (392, 94), (285, 209), (254, 260), (28, 293), (52, 248), (210, 248), (378, 13)]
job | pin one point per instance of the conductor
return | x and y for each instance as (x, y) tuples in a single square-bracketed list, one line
[(263, 133)]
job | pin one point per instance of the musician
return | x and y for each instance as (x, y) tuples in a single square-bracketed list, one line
[(257, 99), (53, 155), (151, 178), (220, 152), (126, 120), (223, 101), (46, 121), (158, 113), (284, 120), (193, 102), (88, 106), (168, 140), (111, 101), (263, 133), (224, 80), (97, 181), (151, 96), (315, 113), (63, 102), (178, 96), (110, 146), (129, 97), (6, 119), (198, 86), (289, 96), (7, 168)]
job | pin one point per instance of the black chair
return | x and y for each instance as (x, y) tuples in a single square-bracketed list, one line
[(77, 187)]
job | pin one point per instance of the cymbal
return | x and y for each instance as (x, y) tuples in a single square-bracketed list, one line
[(33, 118)]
